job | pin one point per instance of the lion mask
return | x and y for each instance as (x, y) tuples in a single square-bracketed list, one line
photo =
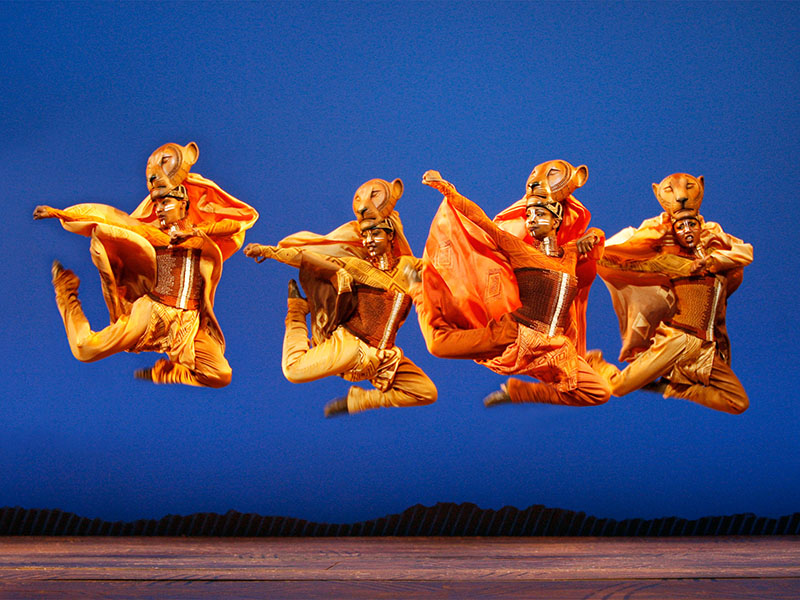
[(375, 200), (168, 167), (680, 195)]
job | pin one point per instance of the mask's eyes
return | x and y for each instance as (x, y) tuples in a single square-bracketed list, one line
[(667, 189)]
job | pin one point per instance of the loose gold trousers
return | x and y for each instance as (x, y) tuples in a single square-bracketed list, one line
[(209, 368), (675, 355), (345, 354), (492, 340), (592, 390)]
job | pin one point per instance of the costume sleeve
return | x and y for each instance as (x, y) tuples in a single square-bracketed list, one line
[(360, 270), (226, 227), (726, 252), (470, 210), (82, 219)]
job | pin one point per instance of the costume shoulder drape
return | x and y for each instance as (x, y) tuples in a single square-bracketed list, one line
[(214, 211)]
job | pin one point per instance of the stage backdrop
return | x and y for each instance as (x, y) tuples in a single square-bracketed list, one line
[(293, 105)]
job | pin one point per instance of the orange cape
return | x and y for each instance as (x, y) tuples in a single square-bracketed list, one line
[(472, 281)]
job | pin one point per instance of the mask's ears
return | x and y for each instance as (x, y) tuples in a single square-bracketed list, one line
[(580, 176), (191, 153), (702, 181), (655, 188), (396, 189)]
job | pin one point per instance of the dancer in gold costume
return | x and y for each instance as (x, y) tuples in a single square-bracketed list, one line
[(669, 281), (520, 317), (360, 280), (159, 267)]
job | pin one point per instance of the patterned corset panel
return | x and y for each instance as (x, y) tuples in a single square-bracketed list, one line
[(546, 297), (378, 315), (178, 282), (699, 299)]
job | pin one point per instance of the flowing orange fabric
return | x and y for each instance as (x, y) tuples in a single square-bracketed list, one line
[(471, 281)]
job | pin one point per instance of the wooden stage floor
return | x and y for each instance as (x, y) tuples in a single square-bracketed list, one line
[(591, 568)]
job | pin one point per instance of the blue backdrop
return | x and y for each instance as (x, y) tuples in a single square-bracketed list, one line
[(294, 105)]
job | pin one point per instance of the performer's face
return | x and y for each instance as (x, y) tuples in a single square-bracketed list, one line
[(540, 222), (376, 241), (687, 232), (169, 211)]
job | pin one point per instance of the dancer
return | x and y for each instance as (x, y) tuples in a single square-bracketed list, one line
[(159, 268), (669, 281), (360, 280), (491, 296)]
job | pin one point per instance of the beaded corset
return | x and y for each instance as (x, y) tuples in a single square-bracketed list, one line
[(546, 297), (699, 300), (178, 282), (378, 315)]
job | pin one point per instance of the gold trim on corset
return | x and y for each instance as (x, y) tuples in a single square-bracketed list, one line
[(713, 317), (562, 292), (187, 279), (392, 321)]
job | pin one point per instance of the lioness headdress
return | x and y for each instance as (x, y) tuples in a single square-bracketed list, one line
[(376, 199), (168, 167), (552, 182), (680, 195)]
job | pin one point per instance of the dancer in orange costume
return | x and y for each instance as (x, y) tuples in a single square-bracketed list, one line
[(360, 280), (518, 320), (159, 267), (669, 281)]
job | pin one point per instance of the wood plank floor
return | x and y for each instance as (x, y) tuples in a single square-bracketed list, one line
[(591, 568)]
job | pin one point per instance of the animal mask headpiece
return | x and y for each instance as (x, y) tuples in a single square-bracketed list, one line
[(554, 181), (168, 167), (680, 195), (376, 199)]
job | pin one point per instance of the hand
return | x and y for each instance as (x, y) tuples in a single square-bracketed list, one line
[(701, 265), (431, 176), (586, 242), (177, 236), (43, 212), (412, 275), (254, 251)]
